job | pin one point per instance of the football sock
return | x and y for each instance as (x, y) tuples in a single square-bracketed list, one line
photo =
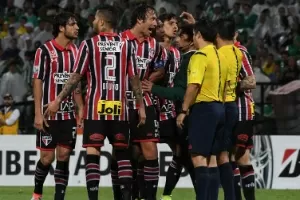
[(202, 182), (115, 180), (214, 183), (124, 172), (92, 173), (236, 181), (151, 176), (141, 180), (248, 181), (173, 175), (40, 175), (135, 191), (61, 177), (226, 178)]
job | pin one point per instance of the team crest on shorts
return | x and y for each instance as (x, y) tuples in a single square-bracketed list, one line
[(47, 139)]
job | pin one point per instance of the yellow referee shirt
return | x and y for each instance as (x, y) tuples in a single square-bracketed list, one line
[(208, 68), (234, 59)]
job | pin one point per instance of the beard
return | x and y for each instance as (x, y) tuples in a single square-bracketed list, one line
[(70, 37)]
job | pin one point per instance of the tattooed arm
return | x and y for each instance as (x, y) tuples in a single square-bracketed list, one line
[(70, 86), (248, 83), (137, 89), (78, 96)]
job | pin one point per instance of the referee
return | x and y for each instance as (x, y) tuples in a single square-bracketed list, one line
[(207, 74), (225, 33)]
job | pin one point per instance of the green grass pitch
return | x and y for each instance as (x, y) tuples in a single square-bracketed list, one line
[(79, 193)]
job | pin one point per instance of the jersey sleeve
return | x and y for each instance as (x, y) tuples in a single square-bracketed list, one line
[(246, 69), (160, 57), (196, 69), (39, 65), (131, 70), (82, 59)]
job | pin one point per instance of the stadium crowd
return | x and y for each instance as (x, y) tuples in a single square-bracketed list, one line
[(269, 29)]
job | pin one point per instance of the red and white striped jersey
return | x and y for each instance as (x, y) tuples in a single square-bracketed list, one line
[(149, 56), (106, 60), (53, 65), (167, 107), (244, 99)]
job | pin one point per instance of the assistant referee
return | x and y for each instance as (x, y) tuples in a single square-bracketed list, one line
[(207, 74)]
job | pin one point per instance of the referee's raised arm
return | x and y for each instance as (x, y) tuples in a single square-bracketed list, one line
[(206, 77)]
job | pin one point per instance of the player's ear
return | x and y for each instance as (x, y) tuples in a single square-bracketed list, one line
[(139, 21), (101, 22), (61, 28)]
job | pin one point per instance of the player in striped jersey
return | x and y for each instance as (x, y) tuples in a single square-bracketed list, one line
[(244, 130), (167, 114), (181, 156), (53, 64), (150, 66), (106, 59)]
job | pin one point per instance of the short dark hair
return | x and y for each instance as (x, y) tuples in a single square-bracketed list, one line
[(188, 30), (167, 17), (110, 14), (139, 13), (61, 19), (225, 27), (206, 30)]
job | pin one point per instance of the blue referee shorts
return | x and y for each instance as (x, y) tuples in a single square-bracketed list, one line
[(231, 119), (205, 128)]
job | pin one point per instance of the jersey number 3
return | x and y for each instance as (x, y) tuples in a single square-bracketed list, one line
[(109, 67)]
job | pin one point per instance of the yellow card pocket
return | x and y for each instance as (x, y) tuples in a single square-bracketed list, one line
[(109, 107)]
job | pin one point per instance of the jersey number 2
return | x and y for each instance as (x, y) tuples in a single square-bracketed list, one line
[(110, 67)]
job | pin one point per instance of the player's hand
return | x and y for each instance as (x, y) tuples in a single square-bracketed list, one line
[(147, 86), (180, 119), (80, 118), (39, 122), (142, 115), (188, 18), (51, 108)]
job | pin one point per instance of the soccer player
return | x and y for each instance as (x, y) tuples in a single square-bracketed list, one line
[(207, 74), (54, 61), (224, 42), (244, 130), (150, 65), (167, 114), (106, 59), (175, 93)]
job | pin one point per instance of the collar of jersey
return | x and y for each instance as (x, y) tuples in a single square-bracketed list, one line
[(131, 36), (227, 46), (59, 47), (207, 46), (108, 34)]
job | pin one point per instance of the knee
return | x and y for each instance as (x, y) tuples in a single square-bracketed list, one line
[(63, 154), (47, 157), (93, 151), (223, 158), (242, 156), (199, 160), (149, 150)]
